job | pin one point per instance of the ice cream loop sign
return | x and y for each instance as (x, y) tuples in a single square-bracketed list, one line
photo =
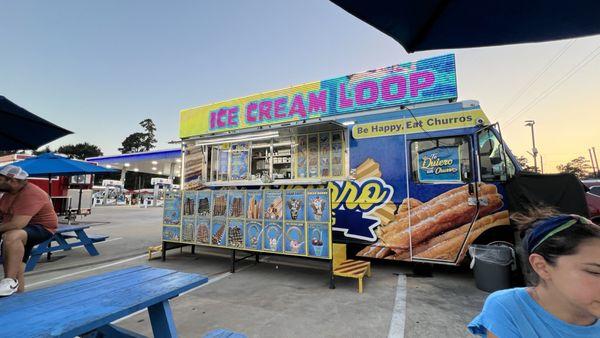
[(409, 83)]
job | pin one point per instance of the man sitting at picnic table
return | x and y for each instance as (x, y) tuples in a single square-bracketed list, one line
[(28, 219)]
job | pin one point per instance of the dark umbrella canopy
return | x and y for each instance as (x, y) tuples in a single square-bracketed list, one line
[(55, 165), (448, 24), (20, 129)]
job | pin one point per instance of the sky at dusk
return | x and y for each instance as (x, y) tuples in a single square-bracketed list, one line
[(98, 68)]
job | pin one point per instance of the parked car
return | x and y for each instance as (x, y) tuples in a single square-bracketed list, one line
[(593, 198)]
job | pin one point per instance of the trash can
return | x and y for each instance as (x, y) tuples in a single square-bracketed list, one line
[(491, 266)]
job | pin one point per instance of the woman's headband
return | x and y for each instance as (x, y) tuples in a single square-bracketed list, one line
[(549, 227)]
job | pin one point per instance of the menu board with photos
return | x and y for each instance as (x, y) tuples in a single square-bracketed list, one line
[(320, 155), (291, 222)]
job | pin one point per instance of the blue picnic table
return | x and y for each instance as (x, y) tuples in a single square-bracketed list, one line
[(61, 237), (86, 307)]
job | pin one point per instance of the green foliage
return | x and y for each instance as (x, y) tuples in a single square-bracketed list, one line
[(579, 167), (80, 151), (524, 163), (138, 142)]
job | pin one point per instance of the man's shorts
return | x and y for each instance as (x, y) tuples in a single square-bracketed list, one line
[(36, 234)]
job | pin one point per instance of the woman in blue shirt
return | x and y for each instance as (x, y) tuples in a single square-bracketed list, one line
[(564, 300)]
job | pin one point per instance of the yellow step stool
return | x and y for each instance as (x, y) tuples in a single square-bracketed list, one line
[(351, 268), (153, 249)]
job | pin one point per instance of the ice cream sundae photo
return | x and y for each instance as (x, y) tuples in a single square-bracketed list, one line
[(295, 246), (317, 205), (294, 239), (294, 206), (317, 245)]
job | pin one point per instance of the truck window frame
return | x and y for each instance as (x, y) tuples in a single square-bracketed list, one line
[(505, 156), (463, 180)]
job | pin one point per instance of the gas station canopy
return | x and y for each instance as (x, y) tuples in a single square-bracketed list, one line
[(158, 162)]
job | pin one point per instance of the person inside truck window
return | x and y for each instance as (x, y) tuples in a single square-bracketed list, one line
[(563, 254)]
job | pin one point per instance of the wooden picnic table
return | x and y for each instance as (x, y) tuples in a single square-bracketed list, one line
[(86, 307), (62, 234)]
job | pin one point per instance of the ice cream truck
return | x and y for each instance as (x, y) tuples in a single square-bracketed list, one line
[(410, 173)]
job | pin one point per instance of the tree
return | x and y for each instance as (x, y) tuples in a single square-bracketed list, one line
[(137, 142), (524, 163), (133, 143), (578, 166), (80, 151), (149, 140)]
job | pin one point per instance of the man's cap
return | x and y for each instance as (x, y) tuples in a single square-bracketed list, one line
[(12, 171)]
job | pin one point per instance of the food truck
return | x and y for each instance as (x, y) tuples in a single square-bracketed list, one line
[(386, 159)]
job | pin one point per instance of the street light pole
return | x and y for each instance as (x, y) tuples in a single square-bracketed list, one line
[(534, 151), (593, 163), (596, 158)]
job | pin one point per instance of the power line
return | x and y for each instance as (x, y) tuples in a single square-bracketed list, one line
[(584, 62), (525, 88)]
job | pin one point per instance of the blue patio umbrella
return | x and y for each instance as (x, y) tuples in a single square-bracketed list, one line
[(50, 164), (447, 24), (20, 129)]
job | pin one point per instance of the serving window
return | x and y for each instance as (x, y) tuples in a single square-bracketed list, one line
[(319, 155)]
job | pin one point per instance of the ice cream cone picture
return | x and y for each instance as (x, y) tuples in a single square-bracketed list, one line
[(294, 237), (317, 241)]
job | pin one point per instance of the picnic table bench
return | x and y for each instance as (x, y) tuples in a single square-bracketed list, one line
[(86, 307), (60, 237)]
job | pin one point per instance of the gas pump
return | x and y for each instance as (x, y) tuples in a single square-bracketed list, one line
[(161, 187), (113, 193)]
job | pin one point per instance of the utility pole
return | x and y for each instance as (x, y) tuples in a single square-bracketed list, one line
[(593, 164), (595, 157), (542, 163), (534, 151)]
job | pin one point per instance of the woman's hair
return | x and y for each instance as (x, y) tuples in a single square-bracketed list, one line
[(563, 243)]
